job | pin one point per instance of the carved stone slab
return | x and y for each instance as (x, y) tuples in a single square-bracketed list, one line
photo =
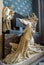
[(30, 60)]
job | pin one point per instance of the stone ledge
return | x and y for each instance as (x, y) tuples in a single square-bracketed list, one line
[(30, 60)]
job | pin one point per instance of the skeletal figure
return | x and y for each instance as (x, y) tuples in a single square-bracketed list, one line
[(7, 17)]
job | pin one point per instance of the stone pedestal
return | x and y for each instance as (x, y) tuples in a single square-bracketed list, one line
[(31, 59)]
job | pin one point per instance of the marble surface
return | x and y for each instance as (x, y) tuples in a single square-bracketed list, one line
[(37, 62), (30, 60)]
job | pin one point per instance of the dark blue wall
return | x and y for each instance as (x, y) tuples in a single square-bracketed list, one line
[(24, 7)]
